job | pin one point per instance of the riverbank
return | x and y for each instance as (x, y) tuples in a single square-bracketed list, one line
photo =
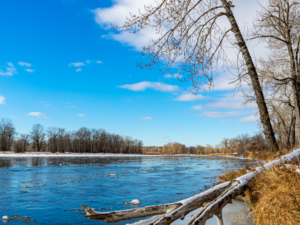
[(67, 154), (70, 154)]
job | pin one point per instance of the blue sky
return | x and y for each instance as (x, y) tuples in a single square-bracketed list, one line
[(61, 65)]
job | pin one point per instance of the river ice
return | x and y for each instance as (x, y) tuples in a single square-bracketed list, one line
[(49, 190)]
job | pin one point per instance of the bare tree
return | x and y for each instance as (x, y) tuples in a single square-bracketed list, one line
[(37, 135), (52, 133), (7, 134), (191, 39), (25, 140), (278, 25)]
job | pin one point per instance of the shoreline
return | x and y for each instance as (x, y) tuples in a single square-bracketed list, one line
[(69, 154)]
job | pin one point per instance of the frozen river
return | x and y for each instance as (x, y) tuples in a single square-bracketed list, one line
[(49, 190)]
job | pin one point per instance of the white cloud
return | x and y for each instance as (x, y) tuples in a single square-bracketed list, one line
[(88, 61), (229, 101), (142, 86), (176, 76), (117, 13), (30, 70), (146, 118), (77, 64), (189, 97), (197, 107), (10, 70), (249, 119), (99, 61), (78, 70), (80, 115), (38, 114), (217, 114), (24, 64), (2, 100)]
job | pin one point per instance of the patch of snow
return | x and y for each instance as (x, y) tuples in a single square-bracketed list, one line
[(146, 221), (48, 154), (135, 202), (5, 217), (146, 169)]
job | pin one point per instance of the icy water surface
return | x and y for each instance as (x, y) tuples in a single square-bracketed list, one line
[(50, 190)]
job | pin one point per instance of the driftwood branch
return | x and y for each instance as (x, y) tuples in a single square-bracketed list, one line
[(212, 201)]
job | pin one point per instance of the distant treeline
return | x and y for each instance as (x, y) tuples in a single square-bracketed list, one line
[(54, 139), (239, 145)]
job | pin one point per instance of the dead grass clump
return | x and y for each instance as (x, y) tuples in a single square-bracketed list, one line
[(277, 195), (231, 175)]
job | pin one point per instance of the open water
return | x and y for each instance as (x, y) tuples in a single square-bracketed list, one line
[(50, 190)]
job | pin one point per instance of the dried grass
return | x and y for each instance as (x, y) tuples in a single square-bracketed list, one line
[(274, 194), (231, 175), (277, 195)]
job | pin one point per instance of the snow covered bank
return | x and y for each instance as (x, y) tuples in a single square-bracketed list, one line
[(69, 154), (46, 154)]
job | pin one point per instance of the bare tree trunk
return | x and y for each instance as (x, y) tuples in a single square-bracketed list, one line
[(293, 133), (263, 110)]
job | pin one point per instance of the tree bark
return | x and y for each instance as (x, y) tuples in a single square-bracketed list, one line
[(293, 133), (263, 110)]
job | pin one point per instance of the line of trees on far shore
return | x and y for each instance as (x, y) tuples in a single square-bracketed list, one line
[(54, 139), (239, 145), (84, 140)]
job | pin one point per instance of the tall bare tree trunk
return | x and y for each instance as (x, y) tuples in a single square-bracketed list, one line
[(263, 110), (295, 86)]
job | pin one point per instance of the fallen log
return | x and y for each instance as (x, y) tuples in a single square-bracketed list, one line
[(212, 201)]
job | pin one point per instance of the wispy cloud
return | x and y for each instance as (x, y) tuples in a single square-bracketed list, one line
[(197, 107), (146, 118), (88, 61), (229, 101), (24, 64), (99, 61), (176, 76), (142, 86), (249, 119), (10, 70), (78, 70), (166, 137), (217, 114), (38, 114), (77, 64), (30, 70), (189, 97), (45, 103), (2, 100), (80, 115)]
